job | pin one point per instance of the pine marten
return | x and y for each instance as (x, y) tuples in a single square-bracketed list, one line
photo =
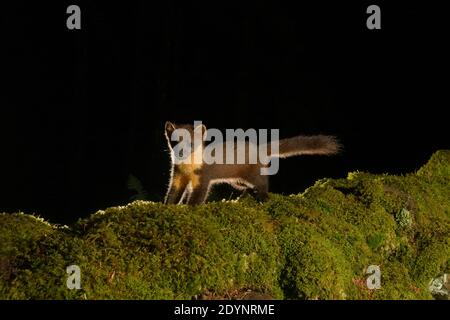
[(191, 182)]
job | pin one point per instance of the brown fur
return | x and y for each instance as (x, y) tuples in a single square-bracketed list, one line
[(303, 145)]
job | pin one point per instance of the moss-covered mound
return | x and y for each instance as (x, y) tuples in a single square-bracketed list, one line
[(315, 245)]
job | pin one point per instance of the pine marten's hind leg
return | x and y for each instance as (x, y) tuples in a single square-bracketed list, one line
[(260, 189), (246, 188)]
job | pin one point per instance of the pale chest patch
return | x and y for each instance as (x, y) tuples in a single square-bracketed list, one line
[(188, 172)]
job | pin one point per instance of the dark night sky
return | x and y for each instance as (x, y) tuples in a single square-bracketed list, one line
[(83, 109)]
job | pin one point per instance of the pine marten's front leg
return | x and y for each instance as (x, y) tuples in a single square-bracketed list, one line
[(200, 190), (176, 189)]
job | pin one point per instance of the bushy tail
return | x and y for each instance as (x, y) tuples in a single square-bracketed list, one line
[(308, 145)]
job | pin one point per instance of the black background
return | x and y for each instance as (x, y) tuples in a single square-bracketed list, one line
[(164, 309), (83, 109)]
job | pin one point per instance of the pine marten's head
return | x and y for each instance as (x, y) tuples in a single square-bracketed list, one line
[(183, 139)]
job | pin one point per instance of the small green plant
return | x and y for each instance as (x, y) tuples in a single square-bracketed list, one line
[(135, 185), (404, 218)]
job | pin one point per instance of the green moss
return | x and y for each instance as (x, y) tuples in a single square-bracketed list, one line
[(437, 167), (315, 245)]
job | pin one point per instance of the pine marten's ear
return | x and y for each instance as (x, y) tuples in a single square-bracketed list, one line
[(169, 128), (201, 127)]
